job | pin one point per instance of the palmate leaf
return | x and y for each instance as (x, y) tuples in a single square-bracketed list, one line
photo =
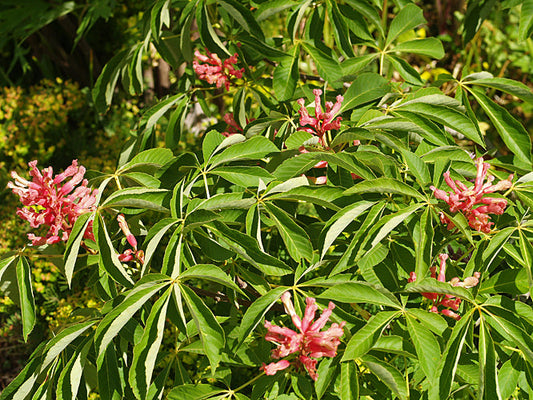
[(27, 301), (488, 379), (389, 375), (450, 359), (513, 134), (295, 238), (409, 17), (257, 311), (117, 318), (73, 244), (361, 292), (426, 345), (429, 47), (286, 76), (363, 340), (145, 352), (254, 148), (211, 333), (384, 185)]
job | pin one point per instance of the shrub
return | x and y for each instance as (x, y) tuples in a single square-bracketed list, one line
[(342, 181)]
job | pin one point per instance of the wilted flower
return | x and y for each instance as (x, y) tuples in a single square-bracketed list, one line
[(129, 254), (322, 121), (215, 70), (470, 201), (47, 202), (308, 344), (446, 300)]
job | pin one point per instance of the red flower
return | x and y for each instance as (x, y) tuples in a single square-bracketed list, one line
[(129, 254), (233, 126), (323, 121), (49, 203), (309, 344), (446, 300), (214, 70), (470, 201)]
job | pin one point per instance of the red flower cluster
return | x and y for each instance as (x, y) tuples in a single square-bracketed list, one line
[(310, 342), (214, 70), (47, 202), (466, 199), (323, 121), (446, 300), (129, 254)]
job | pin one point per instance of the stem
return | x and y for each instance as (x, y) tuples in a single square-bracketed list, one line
[(206, 186), (249, 382)]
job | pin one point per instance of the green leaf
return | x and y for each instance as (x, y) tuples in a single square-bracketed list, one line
[(384, 185), (110, 380), (27, 301), (327, 371), (256, 147), (488, 380), (450, 358), (146, 350), (525, 29), (340, 29), (153, 238), (69, 380), (73, 244), (286, 76), (427, 347), (526, 251), (326, 66), (391, 221), (511, 332), (423, 242), (408, 18), (104, 88), (445, 115), (508, 376), (360, 292), (243, 17), (211, 143), (336, 225), (209, 272), (510, 86), (412, 122), (208, 36), (255, 313), (295, 238), (365, 338), (140, 198), (511, 281), (60, 342), (389, 375), (511, 131), (351, 66), (434, 322), (148, 160), (210, 331), (249, 250), (431, 47), (115, 320), (431, 285), (193, 392), (108, 255), (349, 385), (245, 176), (367, 87), (175, 124)]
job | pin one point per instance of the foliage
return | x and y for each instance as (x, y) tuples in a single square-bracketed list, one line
[(193, 248)]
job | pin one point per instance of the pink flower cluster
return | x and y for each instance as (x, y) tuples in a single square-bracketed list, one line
[(470, 201), (446, 300), (214, 70), (308, 344), (129, 254), (322, 121), (53, 201)]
